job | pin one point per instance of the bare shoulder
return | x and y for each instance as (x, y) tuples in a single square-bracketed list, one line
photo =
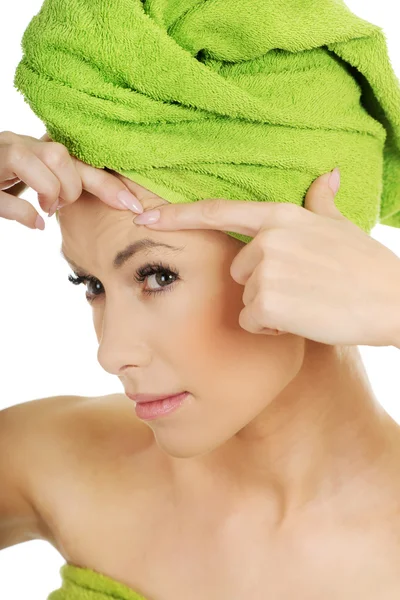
[(47, 421), (105, 425), (58, 445), (49, 435), (23, 440), (62, 428)]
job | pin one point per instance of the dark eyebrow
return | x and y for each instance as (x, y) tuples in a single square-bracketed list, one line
[(130, 250)]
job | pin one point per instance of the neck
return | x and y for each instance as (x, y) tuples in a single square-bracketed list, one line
[(323, 435)]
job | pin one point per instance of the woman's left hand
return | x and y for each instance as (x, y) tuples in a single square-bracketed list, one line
[(307, 271)]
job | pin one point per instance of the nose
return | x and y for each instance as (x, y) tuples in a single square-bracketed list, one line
[(121, 344)]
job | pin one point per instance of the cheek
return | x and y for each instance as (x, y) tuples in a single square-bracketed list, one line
[(224, 362), (209, 323)]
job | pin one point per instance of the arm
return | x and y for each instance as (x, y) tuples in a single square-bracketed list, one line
[(31, 435), (19, 520)]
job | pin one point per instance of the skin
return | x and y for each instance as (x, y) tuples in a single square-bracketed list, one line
[(283, 419)]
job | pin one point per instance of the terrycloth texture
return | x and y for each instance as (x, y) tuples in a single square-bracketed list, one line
[(85, 584), (236, 99)]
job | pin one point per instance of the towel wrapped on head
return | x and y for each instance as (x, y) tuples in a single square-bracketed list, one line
[(236, 99)]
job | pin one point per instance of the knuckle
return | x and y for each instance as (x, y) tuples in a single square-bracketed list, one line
[(56, 155), (211, 211)]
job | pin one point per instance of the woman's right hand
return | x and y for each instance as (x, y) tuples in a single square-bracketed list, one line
[(56, 176)]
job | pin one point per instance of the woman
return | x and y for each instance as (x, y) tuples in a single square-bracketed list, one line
[(289, 483), (276, 475)]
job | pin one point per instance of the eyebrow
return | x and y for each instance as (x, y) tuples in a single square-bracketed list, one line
[(131, 250)]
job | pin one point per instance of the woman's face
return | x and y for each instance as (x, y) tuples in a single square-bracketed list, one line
[(177, 330)]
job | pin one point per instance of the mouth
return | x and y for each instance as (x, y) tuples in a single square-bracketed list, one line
[(145, 398), (156, 409)]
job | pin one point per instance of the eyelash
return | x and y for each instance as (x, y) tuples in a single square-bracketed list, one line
[(141, 274)]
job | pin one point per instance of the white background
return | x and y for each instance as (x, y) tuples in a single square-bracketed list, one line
[(48, 346)]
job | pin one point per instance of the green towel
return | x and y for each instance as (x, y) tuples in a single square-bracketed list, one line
[(85, 584), (236, 99)]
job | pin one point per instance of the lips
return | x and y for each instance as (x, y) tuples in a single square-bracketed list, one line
[(141, 398)]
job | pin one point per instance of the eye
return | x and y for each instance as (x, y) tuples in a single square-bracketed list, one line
[(97, 286), (164, 276)]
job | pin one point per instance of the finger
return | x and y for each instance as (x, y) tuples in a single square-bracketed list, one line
[(107, 187), (246, 260), (7, 183), (252, 324), (320, 197), (17, 209), (140, 192), (15, 137), (254, 284), (24, 164), (57, 158), (248, 321), (245, 217)]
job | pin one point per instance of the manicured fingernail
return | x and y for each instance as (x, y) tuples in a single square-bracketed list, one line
[(53, 208), (334, 180), (129, 201), (148, 218), (39, 223)]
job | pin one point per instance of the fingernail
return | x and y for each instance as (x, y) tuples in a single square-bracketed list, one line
[(53, 208), (147, 218), (39, 223), (334, 180), (129, 201)]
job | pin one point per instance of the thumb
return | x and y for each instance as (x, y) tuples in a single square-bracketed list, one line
[(320, 198)]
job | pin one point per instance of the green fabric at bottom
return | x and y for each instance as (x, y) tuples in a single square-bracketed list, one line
[(85, 584)]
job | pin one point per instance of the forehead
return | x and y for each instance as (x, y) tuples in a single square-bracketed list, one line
[(94, 233)]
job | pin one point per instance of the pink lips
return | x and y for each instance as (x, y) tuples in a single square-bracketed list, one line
[(158, 408), (140, 398)]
